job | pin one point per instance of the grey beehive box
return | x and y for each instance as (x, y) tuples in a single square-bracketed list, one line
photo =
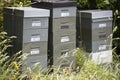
[(96, 28), (62, 28), (31, 29)]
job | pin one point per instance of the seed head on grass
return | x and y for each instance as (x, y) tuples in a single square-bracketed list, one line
[(15, 64)]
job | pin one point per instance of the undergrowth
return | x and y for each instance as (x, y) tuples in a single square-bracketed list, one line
[(10, 67)]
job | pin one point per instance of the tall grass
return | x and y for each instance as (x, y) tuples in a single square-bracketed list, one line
[(85, 70), (10, 67)]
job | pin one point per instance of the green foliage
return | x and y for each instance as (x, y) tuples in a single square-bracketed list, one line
[(82, 4), (9, 67), (116, 35), (116, 64), (80, 57), (94, 4), (91, 71)]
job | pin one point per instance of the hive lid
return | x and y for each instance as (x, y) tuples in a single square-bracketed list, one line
[(97, 13), (31, 12)]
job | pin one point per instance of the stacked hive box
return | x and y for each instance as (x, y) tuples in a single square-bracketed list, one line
[(30, 25), (96, 27), (62, 31)]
